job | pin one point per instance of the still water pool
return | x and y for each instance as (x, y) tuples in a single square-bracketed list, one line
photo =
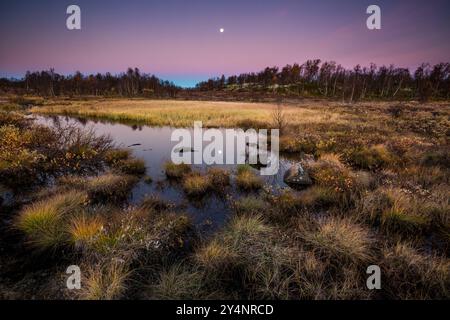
[(154, 146)]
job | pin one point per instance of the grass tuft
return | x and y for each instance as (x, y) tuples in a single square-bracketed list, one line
[(176, 171), (247, 180), (44, 222), (105, 282), (196, 185)]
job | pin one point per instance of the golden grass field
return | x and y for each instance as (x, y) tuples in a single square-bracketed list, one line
[(380, 175), (183, 113)]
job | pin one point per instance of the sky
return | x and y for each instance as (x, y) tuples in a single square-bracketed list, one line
[(180, 41)]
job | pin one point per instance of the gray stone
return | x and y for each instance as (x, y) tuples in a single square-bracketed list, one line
[(297, 177)]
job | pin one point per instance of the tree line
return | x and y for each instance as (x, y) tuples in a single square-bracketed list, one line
[(131, 83), (331, 80), (313, 78)]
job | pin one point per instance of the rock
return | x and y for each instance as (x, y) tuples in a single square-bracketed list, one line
[(6, 197), (297, 177), (182, 150)]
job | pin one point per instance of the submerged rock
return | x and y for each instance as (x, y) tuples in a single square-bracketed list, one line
[(182, 150), (6, 197), (297, 177)]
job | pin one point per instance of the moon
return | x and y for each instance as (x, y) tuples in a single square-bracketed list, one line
[(221, 30)]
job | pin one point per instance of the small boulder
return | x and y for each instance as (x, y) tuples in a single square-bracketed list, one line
[(297, 177)]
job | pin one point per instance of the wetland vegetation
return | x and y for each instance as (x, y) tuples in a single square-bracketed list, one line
[(378, 196)]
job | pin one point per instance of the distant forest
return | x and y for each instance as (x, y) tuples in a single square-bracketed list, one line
[(314, 78), (129, 84), (328, 79)]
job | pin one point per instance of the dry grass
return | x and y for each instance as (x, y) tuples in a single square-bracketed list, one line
[(107, 187), (247, 180), (178, 282), (395, 211), (250, 205), (176, 171), (219, 179), (379, 181), (414, 275), (184, 113), (196, 185), (340, 240), (85, 230), (105, 282), (45, 222)]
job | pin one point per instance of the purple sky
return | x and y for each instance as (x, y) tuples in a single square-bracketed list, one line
[(179, 40)]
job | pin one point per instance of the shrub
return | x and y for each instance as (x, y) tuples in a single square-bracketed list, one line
[(19, 165), (329, 172), (308, 145), (14, 119)]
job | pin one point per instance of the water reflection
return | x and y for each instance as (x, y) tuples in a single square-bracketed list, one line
[(154, 146)]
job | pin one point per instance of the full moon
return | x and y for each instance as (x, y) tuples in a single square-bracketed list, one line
[(221, 30)]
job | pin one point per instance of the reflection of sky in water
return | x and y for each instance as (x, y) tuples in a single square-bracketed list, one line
[(153, 145)]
